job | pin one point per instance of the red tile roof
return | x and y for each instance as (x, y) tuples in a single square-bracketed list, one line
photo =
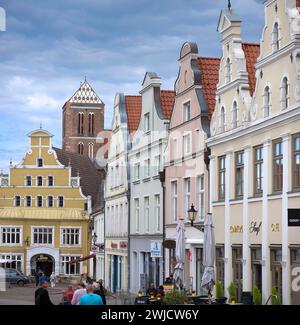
[(252, 52), (209, 68), (133, 105), (167, 98)]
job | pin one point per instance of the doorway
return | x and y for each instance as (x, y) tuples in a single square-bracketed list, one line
[(42, 263), (237, 263)]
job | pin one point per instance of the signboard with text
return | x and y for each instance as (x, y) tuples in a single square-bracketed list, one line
[(155, 248), (294, 217)]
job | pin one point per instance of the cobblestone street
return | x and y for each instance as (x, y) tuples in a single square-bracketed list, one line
[(25, 295)]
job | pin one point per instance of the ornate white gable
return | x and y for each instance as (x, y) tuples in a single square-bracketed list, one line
[(85, 95)]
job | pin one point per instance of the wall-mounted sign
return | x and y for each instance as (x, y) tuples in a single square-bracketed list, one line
[(236, 229), (275, 227), (94, 248), (294, 217), (255, 227), (123, 245), (114, 245), (155, 248)]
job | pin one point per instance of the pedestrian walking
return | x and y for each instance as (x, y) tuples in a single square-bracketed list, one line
[(81, 290), (42, 295), (102, 291), (90, 298), (53, 280)]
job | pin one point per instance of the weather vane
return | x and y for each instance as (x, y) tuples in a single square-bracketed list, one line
[(229, 5)]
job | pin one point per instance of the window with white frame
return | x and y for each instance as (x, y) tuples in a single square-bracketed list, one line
[(50, 201), (112, 220), (147, 213), (175, 149), (116, 220), (222, 120), (174, 200), (147, 122), (266, 101), (147, 168), (121, 217), (117, 178), (28, 181), (70, 236), (50, 181), (228, 71), (137, 214), (70, 269), (91, 150), (17, 200), (157, 165), (284, 93), (39, 181), (40, 162), (60, 201), (39, 201), (187, 144), (200, 196), (187, 195), (234, 114), (275, 37), (28, 201), (10, 235), (111, 177), (15, 261), (107, 223), (186, 111), (137, 171), (42, 235), (157, 212)]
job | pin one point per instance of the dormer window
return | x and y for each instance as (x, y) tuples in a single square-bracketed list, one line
[(222, 120), (267, 102), (275, 37), (284, 93), (147, 122), (228, 71), (186, 111), (40, 162)]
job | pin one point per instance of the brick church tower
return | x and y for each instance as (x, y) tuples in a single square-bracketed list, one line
[(83, 120)]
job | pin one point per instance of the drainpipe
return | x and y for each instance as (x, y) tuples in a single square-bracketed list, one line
[(162, 178)]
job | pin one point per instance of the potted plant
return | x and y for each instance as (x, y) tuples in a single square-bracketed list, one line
[(231, 292), (175, 298), (220, 299), (275, 297), (257, 299)]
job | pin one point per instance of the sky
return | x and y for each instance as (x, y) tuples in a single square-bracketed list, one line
[(50, 46)]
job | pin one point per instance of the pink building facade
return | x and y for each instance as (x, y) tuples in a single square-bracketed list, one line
[(186, 172)]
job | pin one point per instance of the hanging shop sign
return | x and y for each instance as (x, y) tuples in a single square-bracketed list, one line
[(155, 248), (294, 217)]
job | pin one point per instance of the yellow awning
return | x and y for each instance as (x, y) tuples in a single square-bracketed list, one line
[(44, 214)]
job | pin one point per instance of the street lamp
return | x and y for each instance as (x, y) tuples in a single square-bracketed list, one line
[(192, 214), (94, 238)]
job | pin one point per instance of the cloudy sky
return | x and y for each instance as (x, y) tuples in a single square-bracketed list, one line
[(51, 45)]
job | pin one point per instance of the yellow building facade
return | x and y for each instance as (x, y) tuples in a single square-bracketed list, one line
[(44, 215)]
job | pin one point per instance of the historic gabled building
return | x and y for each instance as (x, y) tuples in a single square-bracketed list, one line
[(127, 110), (186, 172), (255, 155), (146, 193), (83, 124), (45, 203)]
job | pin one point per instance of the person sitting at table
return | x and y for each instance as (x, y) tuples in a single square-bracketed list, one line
[(151, 291)]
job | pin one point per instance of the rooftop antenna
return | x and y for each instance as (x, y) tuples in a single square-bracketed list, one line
[(229, 5)]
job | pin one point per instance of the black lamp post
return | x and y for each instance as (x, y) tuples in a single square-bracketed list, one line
[(192, 215), (94, 239)]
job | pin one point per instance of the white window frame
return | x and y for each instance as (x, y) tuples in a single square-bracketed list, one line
[(25, 181), (147, 163), (147, 122), (137, 214), (52, 181), (137, 167), (147, 213), (66, 262), (267, 104), (58, 201), (174, 201), (61, 230), (285, 97), (37, 181), (187, 196), (47, 201), (157, 211), (36, 201), (234, 114), (8, 256), (186, 109), (275, 40), (185, 147), (200, 196), (157, 160), (15, 201), (11, 244), (25, 202), (222, 119), (42, 227), (37, 162)]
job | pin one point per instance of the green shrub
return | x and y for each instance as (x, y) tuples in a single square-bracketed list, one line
[(275, 297), (175, 298), (219, 290), (231, 291), (257, 299)]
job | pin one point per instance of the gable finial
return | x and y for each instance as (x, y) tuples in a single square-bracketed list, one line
[(229, 5), (85, 78)]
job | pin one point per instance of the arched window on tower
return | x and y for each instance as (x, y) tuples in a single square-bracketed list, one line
[(284, 93), (275, 37), (91, 150), (266, 102), (91, 123), (234, 115), (80, 148), (222, 120), (228, 71), (80, 123)]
